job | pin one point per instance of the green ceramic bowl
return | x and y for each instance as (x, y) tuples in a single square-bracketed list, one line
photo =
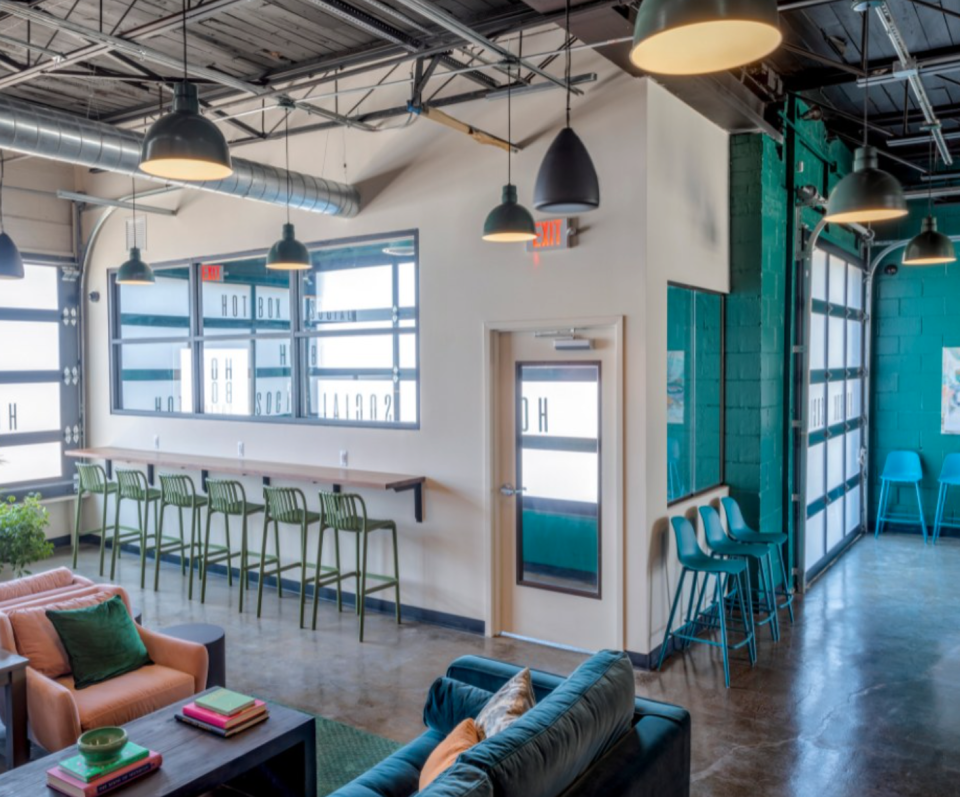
[(101, 745)]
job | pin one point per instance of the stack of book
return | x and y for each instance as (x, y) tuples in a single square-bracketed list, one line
[(224, 713), (78, 778)]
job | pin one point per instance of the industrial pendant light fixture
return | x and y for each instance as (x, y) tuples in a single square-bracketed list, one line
[(567, 181), (183, 144), (929, 248), (288, 254), (696, 37), (134, 271), (868, 194), (509, 222), (11, 263)]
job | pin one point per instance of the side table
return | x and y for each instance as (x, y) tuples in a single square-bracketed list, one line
[(13, 678), (213, 639)]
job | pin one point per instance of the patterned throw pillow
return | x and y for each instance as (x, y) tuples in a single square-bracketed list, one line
[(511, 702)]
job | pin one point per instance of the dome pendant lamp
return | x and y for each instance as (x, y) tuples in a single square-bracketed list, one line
[(183, 144), (288, 254), (868, 194), (134, 271), (509, 222), (11, 263), (696, 37), (929, 248), (567, 181)]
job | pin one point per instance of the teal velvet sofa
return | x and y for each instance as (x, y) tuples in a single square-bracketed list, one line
[(588, 736)]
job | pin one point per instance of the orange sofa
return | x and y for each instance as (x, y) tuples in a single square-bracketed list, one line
[(43, 587), (57, 713)]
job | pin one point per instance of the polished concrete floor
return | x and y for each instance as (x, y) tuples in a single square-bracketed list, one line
[(860, 697)]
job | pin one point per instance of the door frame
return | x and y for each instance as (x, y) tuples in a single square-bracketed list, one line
[(613, 516)]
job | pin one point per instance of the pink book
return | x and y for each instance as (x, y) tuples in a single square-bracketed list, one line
[(61, 781), (218, 720)]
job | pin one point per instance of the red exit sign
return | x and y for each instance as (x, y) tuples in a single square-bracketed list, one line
[(551, 234), (209, 273)]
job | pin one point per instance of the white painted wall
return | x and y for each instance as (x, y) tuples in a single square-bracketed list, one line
[(663, 172)]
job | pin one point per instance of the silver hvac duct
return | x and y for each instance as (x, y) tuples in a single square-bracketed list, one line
[(59, 136)]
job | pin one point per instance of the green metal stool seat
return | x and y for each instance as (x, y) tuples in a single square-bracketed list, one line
[(348, 512), (229, 499), (289, 505), (93, 481), (901, 467), (741, 532), (696, 564), (178, 491), (134, 487)]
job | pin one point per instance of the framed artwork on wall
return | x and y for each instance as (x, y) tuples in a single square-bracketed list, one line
[(675, 386), (950, 391)]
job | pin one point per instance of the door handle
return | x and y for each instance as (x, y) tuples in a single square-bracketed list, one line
[(509, 490)]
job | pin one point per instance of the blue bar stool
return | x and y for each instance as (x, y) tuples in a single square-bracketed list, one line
[(949, 477), (696, 563), (741, 532), (721, 544), (901, 467)]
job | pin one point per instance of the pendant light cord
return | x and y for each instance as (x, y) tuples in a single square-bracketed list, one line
[(2, 165), (566, 71), (933, 168), (184, 29), (864, 51), (133, 192), (509, 123), (286, 146)]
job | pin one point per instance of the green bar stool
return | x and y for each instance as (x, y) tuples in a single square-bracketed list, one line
[(228, 498), (134, 487), (289, 505), (177, 490), (93, 481), (348, 512)]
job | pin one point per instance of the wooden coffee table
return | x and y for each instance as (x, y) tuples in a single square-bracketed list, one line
[(277, 757)]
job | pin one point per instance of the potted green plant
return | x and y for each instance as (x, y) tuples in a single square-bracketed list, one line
[(22, 537)]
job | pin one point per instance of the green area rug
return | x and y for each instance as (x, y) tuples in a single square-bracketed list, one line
[(344, 753)]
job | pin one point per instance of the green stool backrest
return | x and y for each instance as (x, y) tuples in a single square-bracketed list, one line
[(345, 511), (93, 478), (285, 504), (133, 484), (712, 528), (735, 521), (689, 551), (177, 490), (226, 496)]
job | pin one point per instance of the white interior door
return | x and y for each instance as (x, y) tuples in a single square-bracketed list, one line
[(557, 495)]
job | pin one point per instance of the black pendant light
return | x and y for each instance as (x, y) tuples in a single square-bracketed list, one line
[(567, 181), (868, 194), (184, 145), (288, 254), (929, 248), (509, 222), (696, 37), (11, 263), (134, 271)]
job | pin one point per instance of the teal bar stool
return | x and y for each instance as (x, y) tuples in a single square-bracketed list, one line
[(696, 564), (229, 499), (741, 532), (949, 477), (289, 505), (134, 487), (348, 512), (722, 545), (901, 467), (93, 481), (178, 491)]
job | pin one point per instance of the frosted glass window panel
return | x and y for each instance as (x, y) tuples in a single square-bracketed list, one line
[(836, 400), (353, 352), (838, 281), (817, 413), (563, 475), (818, 275), (815, 472), (408, 351), (836, 524), (408, 401), (837, 351), (245, 297), (853, 454), (161, 310), (29, 408), (227, 382), (38, 290), (854, 288), (29, 345), (814, 549), (273, 378), (852, 509), (818, 331), (559, 408), (854, 344), (155, 377), (354, 289), (407, 288), (31, 463), (835, 462), (358, 400)]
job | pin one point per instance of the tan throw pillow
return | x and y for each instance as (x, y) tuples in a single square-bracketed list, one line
[(511, 701), (444, 755)]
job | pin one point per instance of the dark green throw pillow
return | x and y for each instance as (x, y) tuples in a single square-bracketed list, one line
[(101, 641)]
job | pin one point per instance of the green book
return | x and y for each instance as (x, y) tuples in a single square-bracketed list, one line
[(80, 769), (225, 702)]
